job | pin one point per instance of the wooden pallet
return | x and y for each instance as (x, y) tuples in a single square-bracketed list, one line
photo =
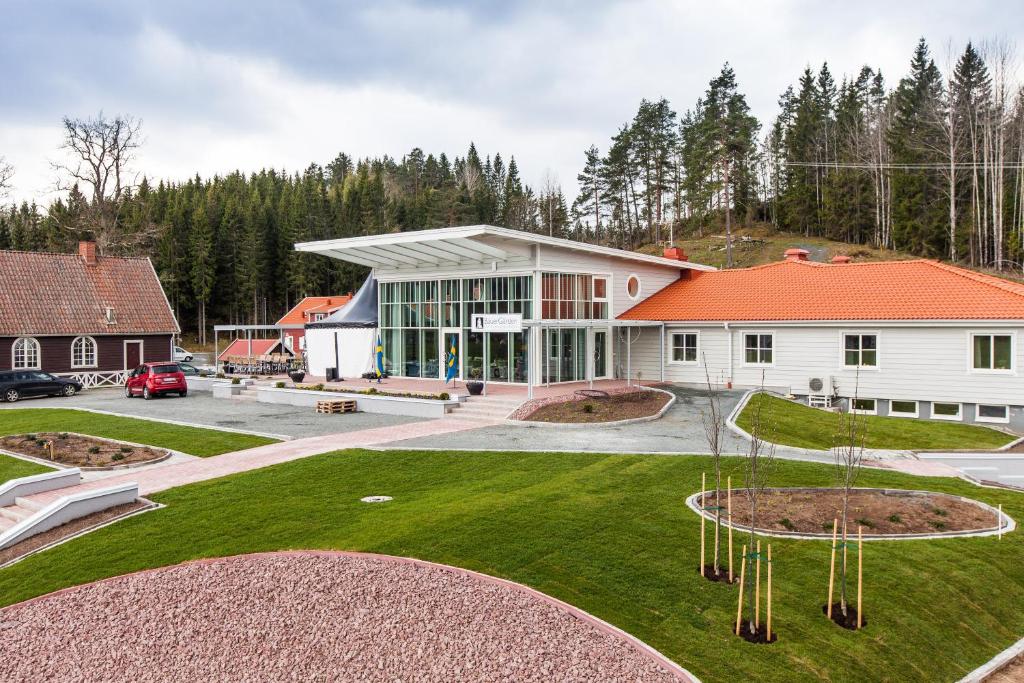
[(339, 406)]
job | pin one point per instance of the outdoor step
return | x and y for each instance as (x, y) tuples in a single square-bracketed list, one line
[(6, 524), (16, 512), (29, 504)]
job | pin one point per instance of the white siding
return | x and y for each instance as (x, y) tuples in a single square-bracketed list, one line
[(914, 363)]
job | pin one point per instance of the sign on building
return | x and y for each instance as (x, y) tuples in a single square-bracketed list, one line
[(496, 322)]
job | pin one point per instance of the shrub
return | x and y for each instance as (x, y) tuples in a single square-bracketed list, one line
[(94, 449), (865, 522), (938, 524), (827, 526), (443, 396), (588, 407), (279, 385), (41, 442), (126, 449), (235, 380), (30, 437), (117, 456), (221, 375), (940, 512), (786, 523), (62, 435), (895, 519)]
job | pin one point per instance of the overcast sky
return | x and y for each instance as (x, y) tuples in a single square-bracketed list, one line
[(243, 85)]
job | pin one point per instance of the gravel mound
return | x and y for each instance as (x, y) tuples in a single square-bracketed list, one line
[(310, 617)]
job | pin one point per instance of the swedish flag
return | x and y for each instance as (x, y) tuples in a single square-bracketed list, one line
[(380, 359), (452, 361)]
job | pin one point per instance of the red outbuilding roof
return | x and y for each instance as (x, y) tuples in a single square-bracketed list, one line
[(69, 294), (313, 304), (795, 290)]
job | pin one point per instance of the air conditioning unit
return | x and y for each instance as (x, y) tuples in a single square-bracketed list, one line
[(820, 386)]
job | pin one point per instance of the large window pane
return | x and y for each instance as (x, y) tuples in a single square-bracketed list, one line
[(983, 352), (1002, 353)]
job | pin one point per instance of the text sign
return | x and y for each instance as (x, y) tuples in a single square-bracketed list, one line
[(496, 322)]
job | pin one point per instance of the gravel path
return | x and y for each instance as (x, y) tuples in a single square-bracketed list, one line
[(312, 616)]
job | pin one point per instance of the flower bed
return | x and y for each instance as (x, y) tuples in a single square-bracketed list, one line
[(78, 450), (373, 391), (622, 404)]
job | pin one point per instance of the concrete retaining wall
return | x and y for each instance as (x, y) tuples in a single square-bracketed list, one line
[(38, 483), (68, 508), (367, 403)]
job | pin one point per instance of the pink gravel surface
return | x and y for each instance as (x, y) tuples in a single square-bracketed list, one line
[(314, 616)]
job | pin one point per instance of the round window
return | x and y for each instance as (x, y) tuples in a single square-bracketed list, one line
[(633, 286)]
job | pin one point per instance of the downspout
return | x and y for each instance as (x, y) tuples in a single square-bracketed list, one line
[(663, 352), (728, 333)]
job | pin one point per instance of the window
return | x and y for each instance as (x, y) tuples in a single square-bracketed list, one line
[(26, 353), (946, 411), (568, 296), (865, 406), (861, 350), (684, 347), (993, 352), (758, 349), (903, 408), (633, 288), (83, 352), (987, 413), (600, 289)]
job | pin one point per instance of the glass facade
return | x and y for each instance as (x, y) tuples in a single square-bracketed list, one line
[(570, 296)]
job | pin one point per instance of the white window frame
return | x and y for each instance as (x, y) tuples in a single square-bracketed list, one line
[(978, 417), (593, 287), (992, 333), (639, 287), (864, 411), (894, 413), (959, 417), (95, 352), (759, 333), (860, 352), (672, 347), (39, 354)]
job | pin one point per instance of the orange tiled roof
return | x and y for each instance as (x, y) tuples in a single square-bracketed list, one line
[(297, 315), (804, 290), (45, 293), (260, 347)]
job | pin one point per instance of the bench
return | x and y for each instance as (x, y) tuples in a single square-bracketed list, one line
[(346, 405)]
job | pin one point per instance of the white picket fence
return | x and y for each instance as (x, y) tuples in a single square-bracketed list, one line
[(92, 380)]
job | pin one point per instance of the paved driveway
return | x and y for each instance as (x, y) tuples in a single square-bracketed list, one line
[(679, 431), (200, 407)]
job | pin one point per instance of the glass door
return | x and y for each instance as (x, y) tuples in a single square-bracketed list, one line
[(451, 343), (600, 354)]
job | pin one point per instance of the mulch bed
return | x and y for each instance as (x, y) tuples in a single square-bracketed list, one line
[(849, 621), (65, 530), (878, 512), (625, 406), (74, 450), (722, 575), (1013, 672), (759, 636)]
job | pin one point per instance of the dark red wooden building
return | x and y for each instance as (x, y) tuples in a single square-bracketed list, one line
[(82, 314)]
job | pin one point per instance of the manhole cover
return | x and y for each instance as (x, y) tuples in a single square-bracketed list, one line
[(376, 499)]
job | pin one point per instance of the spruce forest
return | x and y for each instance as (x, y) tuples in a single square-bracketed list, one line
[(931, 164)]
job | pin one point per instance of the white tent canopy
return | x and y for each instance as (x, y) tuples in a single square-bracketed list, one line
[(347, 339)]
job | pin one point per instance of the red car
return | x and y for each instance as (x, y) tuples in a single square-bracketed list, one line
[(153, 379)]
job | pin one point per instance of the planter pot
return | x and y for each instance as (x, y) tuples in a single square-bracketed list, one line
[(475, 388), (297, 376)]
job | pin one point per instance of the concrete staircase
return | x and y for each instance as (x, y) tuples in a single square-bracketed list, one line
[(12, 514), (488, 409)]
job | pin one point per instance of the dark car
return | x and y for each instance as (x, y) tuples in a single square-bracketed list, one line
[(155, 379), (17, 384), (189, 370)]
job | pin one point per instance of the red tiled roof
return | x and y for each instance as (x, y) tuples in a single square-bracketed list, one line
[(804, 290), (297, 316), (49, 294), (260, 347)]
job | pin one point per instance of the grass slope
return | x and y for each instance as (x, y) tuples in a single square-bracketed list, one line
[(798, 425), (12, 468), (192, 440), (608, 533)]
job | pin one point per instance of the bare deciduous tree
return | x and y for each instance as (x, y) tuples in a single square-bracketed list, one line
[(98, 156), (759, 460), (849, 456), (6, 173)]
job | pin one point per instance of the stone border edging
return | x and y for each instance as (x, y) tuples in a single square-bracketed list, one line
[(582, 425), (167, 454), (1010, 525), (652, 654), (180, 423), (995, 664), (150, 506)]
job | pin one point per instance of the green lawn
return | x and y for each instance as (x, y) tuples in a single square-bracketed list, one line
[(793, 424), (192, 440), (12, 468), (608, 533)]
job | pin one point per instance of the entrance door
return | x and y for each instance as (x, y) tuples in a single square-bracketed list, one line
[(132, 354), (601, 354), (451, 337)]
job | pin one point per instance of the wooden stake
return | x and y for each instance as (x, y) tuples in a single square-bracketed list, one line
[(757, 589), (999, 525), (860, 578), (739, 605), (729, 485), (768, 619), (702, 506), (832, 567)]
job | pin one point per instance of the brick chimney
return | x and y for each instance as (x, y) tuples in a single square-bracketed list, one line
[(796, 254), (676, 254), (87, 251), (839, 259)]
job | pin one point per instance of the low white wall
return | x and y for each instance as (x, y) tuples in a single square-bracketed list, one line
[(367, 403), (37, 483), (68, 508)]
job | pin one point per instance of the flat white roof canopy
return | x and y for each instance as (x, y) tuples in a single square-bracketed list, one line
[(457, 246)]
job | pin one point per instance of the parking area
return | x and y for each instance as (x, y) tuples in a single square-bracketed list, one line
[(201, 408)]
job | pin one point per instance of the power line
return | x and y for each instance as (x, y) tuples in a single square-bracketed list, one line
[(1017, 165)]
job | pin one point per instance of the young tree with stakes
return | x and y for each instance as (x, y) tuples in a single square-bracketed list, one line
[(849, 456), (714, 431), (757, 468)]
